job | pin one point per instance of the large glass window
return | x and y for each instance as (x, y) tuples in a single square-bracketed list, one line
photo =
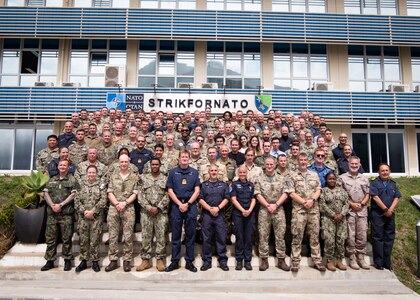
[(20, 146), (375, 146), (168, 4), (413, 7), (415, 68), (251, 5), (234, 65), (165, 63), (102, 3), (298, 66), (371, 7), (24, 62), (373, 68), (317, 6), (47, 3), (89, 58)]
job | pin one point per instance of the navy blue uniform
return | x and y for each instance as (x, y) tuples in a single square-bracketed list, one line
[(65, 140), (140, 158), (183, 183), (243, 227), (383, 228), (213, 193), (52, 168)]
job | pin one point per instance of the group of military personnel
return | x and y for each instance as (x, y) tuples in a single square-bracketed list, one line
[(242, 173)]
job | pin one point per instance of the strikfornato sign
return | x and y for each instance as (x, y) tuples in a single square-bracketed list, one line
[(179, 103)]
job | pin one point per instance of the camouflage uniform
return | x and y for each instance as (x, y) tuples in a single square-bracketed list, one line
[(333, 201), (260, 161), (271, 188), (152, 193), (292, 164), (90, 196), (357, 187), (196, 162), (150, 140), (80, 174), (308, 150), (122, 189), (115, 168), (118, 141), (92, 141), (58, 190), (164, 167), (107, 154), (204, 171), (78, 152), (129, 145), (45, 156), (303, 218), (253, 173), (230, 166)]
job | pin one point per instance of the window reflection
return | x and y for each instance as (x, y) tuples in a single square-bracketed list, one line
[(6, 149)]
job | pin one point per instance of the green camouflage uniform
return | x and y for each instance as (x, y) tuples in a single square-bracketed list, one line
[(271, 188), (58, 190), (152, 193), (80, 174), (78, 152), (230, 165), (308, 150), (204, 171), (253, 173), (164, 167), (122, 189), (107, 154), (331, 202), (90, 196), (303, 218), (45, 156), (92, 141)]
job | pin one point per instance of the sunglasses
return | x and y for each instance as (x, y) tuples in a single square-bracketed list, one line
[(200, 141), (320, 155)]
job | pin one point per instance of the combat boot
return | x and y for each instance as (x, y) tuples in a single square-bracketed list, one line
[(353, 263), (48, 266), (281, 264), (361, 261), (330, 265), (82, 266), (160, 265), (67, 265), (264, 264), (146, 264), (339, 264)]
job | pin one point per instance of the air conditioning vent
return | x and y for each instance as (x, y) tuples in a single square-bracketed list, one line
[(209, 85), (43, 83), (398, 88), (417, 89), (115, 75), (71, 84), (322, 86), (185, 85)]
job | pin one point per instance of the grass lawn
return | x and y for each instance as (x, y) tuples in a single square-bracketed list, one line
[(405, 247)]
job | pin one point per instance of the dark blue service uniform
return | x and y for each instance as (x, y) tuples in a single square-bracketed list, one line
[(183, 183), (213, 193), (243, 227), (140, 158), (383, 228)]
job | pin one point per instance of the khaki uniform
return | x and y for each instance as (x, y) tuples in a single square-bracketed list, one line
[(122, 189), (119, 140), (78, 152), (80, 173), (152, 193), (308, 150), (253, 173), (107, 154), (92, 141), (90, 196), (204, 171), (45, 156), (230, 166), (271, 188), (303, 218)]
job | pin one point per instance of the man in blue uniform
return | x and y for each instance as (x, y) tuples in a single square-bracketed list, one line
[(213, 198), (183, 189), (141, 155), (385, 195)]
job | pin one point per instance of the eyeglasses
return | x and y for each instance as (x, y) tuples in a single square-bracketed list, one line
[(320, 155), (200, 141), (184, 130)]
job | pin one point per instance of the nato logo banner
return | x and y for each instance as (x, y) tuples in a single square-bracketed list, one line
[(116, 101), (263, 102)]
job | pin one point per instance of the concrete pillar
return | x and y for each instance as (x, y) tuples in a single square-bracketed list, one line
[(63, 68), (267, 80), (411, 144), (402, 7), (338, 66), (405, 62), (132, 47), (200, 63), (201, 4)]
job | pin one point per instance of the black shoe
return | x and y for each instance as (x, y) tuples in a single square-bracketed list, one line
[(95, 266), (389, 268), (67, 265), (205, 267), (48, 266), (173, 266), (82, 266), (239, 265), (379, 267), (224, 267), (248, 266), (228, 241), (190, 266)]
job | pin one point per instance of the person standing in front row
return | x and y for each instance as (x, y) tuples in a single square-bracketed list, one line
[(183, 186), (243, 216), (122, 192), (59, 195), (385, 195)]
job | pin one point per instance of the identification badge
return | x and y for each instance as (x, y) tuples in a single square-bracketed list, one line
[(184, 181), (59, 186), (139, 161)]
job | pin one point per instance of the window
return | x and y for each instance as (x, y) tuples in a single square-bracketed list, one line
[(20, 146), (24, 62), (413, 8), (102, 3), (234, 65), (316, 6), (373, 68), (165, 63), (168, 4), (247, 5), (371, 7), (47, 3), (415, 67), (88, 60), (298, 66), (375, 146)]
